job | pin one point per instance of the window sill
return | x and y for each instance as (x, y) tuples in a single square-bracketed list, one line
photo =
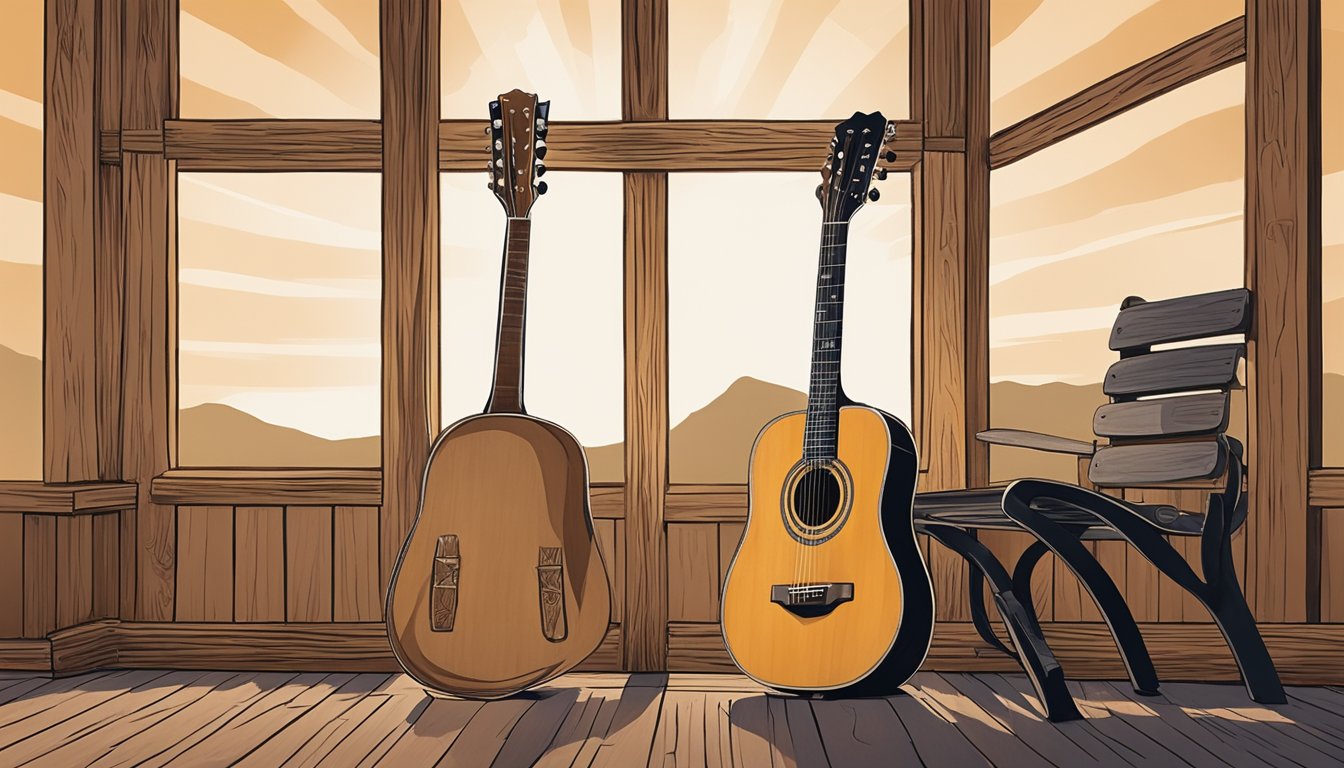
[(269, 487), (34, 496)]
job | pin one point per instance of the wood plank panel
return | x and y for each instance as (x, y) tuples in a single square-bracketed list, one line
[(70, 423), (355, 565), (147, 348), (693, 576), (612, 546), (410, 99), (268, 487), (730, 535), (11, 573), (205, 564), (945, 77), (109, 247), (644, 59), (74, 570), (39, 575), (1332, 565), (308, 573), (645, 615), (1197, 57), (1282, 224), (106, 566), (1327, 487), (259, 557)]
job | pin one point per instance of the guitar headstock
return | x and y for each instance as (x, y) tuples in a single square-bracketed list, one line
[(851, 164), (517, 146)]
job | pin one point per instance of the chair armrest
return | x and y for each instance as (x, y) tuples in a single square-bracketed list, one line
[(1019, 438)]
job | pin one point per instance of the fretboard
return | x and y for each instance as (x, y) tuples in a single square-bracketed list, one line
[(824, 393), (506, 395)]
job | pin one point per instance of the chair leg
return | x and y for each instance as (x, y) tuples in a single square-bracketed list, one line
[(979, 617), (1032, 652), (1070, 550)]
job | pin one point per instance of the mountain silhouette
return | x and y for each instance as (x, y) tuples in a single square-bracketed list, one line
[(219, 435)]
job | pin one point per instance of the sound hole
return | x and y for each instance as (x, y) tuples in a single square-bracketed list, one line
[(816, 498)]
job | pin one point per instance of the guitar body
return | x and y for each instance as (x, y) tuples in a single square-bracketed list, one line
[(513, 492), (870, 641)]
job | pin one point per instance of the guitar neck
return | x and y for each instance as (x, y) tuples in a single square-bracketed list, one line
[(824, 395), (506, 395)]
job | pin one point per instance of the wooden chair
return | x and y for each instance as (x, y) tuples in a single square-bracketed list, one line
[(1166, 422)]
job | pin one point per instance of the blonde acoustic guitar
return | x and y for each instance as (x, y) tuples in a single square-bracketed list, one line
[(500, 585), (828, 592)]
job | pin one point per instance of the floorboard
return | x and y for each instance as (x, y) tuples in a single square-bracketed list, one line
[(161, 718)]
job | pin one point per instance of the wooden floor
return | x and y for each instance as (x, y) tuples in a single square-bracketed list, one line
[(144, 717)]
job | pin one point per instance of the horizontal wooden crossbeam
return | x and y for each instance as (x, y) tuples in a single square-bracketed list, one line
[(356, 145), (1201, 55)]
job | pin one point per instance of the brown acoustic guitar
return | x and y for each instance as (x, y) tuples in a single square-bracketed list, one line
[(828, 591), (500, 585)]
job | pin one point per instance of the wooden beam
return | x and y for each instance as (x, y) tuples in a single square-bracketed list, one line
[(1283, 272), (356, 145), (1187, 62), (1326, 488), (109, 248), (85, 498), (644, 59), (410, 35), (147, 349), (260, 487), (70, 423), (646, 427)]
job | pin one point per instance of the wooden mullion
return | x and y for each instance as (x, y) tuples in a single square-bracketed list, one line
[(70, 423), (410, 76), (977, 240), (109, 246), (1283, 272), (1184, 63)]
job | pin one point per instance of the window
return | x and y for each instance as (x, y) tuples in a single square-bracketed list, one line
[(279, 58), (568, 52), (1332, 235), (574, 369), (21, 255), (742, 277), (1148, 203), (1043, 52), (772, 59), (279, 310)]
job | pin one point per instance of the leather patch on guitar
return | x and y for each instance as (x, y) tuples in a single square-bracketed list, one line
[(443, 588), (551, 582)]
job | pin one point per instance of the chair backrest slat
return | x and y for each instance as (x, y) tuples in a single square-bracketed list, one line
[(1143, 324), (1175, 370), (1201, 414), (1138, 465)]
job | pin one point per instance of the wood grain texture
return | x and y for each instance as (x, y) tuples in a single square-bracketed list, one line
[(11, 573), (945, 62), (74, 570), (1282, 223), (39, 575), (34, 496), (693, 577), (274, 145), (1332, 565), (205, 564), (308, 574), (1327, 487), (259, 564), (645, 615), (109, 245), (1204, 315), (70, 423), (611, 541), (606, 502), (410, 98), (1184, 63), (265, 487), (1211, 366), (644, 59), (355, 565), (106, 566)]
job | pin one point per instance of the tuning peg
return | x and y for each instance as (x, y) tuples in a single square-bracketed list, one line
[(819, 186), (873, 195), (541, 150), (881, 174), (541, 170), (487, 130), (541, 187), (890, 156)]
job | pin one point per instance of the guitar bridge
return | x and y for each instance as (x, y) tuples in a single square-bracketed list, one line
[(443, 588), (551, 591), (811, 600)]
